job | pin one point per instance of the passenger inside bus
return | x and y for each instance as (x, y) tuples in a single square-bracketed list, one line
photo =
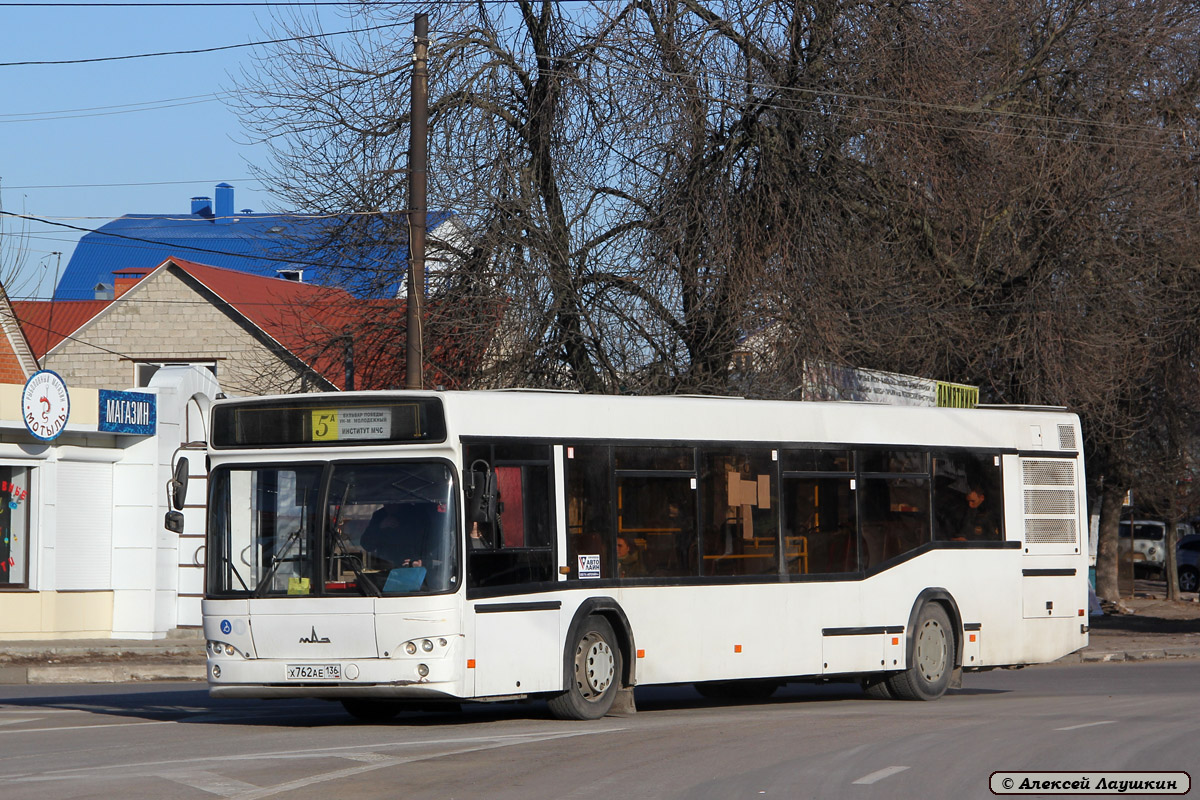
[(973, 520), (629, 558), (397, 532)]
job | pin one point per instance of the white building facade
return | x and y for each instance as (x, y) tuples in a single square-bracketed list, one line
[(82, 540)]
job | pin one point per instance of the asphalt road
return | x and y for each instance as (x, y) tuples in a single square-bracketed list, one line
[(173, 741)]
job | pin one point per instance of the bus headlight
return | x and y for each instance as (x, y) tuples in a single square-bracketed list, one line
[(422, 670), (410, 648), (216, 671), (221, 649), (427, 646)]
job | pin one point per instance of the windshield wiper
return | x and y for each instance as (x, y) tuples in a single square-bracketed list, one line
[(261, 588), (235, 572)]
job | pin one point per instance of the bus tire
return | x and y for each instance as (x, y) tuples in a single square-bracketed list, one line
[(369, 710), (928, 673), (746, 691), (595, 673), (876, 687)]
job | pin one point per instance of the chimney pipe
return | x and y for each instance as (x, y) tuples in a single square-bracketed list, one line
[(224, 207), (201, 203)]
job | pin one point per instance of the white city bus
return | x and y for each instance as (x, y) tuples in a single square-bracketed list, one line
[(391, 549)]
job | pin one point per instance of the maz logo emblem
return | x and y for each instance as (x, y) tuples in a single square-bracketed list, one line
[(313, 638)]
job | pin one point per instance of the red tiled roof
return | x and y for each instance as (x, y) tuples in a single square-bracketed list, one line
[(314, 323), (301, 317), (46, 323)]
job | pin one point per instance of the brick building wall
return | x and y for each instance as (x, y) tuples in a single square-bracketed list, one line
[(163, 319), (10, 366)]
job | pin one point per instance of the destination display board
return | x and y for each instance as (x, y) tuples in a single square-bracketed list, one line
[(317, 421)]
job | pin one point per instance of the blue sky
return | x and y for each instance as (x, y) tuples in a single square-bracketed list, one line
[(71, 127)]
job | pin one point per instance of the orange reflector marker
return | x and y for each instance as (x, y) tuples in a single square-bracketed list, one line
[(972, 637), (1081, 612), (737, 648), (641, 653), (470, 663), (895, 640)]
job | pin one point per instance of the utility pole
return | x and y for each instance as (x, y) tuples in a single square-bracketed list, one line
[(418, 158)]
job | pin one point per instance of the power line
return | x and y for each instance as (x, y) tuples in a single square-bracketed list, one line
[(117, 185), (207, 96), (109, 113), (204, 49)]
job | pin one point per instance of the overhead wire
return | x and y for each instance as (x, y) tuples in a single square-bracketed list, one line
[(196, 51)]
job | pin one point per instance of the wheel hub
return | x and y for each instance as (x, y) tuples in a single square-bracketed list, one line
[(596, 666), (931, 651)]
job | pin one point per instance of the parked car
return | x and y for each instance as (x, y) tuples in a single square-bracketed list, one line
[(1187, 557), (1149, 544)]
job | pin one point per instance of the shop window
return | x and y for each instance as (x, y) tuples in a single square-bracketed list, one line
[(14, 527), (820, 525), (740, 506), (967, 497)]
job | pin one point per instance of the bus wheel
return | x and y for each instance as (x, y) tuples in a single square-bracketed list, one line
[(743, 691), (370, 710), (596, 674), (932, 658), (876, 687)]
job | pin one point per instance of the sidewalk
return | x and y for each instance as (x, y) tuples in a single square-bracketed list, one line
[(103, 660), (1153, 629)]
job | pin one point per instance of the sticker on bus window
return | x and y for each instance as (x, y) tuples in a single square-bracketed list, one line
[(589, 566)]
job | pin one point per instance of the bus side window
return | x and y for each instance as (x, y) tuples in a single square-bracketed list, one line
[(657, 513), (967, 497), (518, 545), (740, 508), (894, 504), (589, 512), (821, 510)]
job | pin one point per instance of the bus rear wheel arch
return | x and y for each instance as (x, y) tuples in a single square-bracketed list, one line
[(594, 672)]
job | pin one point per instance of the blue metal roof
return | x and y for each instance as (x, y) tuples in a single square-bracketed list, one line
[(260, 244)]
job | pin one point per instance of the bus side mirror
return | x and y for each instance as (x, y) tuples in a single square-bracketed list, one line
[(177, 494), (177, 488), (479, 485), (174, 521)]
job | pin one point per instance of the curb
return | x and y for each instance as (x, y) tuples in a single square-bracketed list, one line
[(1153, 654), (103, 673)]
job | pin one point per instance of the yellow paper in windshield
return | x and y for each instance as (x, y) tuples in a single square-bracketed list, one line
[(298, 585)]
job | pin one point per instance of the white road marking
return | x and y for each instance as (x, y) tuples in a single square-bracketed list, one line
[(89, 727), (167, 768), (879, 775), (366, 758), (212, 783), (18, 719), (1086, 725)]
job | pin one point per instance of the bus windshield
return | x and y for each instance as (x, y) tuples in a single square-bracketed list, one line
[(337, 529)]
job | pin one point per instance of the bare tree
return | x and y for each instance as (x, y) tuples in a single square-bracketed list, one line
[(14, 252), (1000, 192)]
